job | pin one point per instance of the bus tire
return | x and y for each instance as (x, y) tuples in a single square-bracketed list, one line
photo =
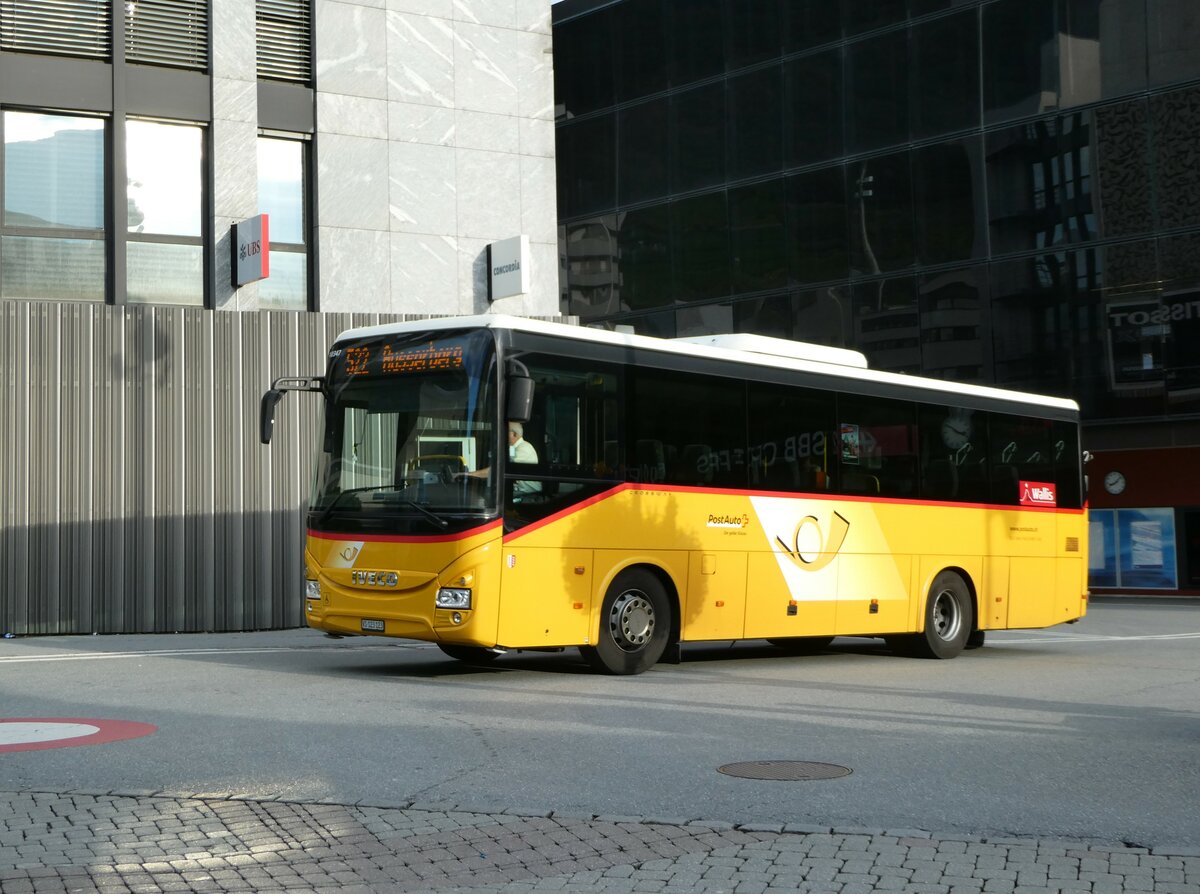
[(469, 654), (949, 618), (801, 645), (975, 640), (635, 624)]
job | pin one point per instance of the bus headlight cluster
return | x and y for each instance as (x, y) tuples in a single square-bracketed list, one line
[(453, 597), (312, 589)]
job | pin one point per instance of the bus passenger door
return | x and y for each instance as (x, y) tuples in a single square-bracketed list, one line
[(545, 596), (715, 607)]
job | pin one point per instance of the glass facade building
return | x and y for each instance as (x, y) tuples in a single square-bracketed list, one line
[(1000, 192)]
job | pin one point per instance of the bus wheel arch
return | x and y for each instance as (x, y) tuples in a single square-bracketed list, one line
[(639, 618), (948, 617)]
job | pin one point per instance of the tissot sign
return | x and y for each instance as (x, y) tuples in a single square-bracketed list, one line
[(508, 267), (251, 250)]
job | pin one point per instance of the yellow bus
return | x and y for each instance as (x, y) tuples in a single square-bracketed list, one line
[(492, 483)]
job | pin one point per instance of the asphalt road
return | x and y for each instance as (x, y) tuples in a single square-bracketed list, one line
[(1089, 730)]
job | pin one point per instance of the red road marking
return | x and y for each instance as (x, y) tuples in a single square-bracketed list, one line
[(106, 731)]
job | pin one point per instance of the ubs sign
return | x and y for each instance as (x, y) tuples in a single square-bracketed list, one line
[(251, 249)]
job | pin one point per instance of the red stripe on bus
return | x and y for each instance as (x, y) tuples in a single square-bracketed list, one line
[(841, 498)]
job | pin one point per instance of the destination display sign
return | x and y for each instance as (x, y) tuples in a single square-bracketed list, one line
[(388, 358)]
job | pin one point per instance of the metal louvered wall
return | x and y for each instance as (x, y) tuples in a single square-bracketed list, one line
[(134, 493), (167, 32), (62, 27), (284, 36)]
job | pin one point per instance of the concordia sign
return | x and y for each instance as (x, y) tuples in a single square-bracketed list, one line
[(508, 267)]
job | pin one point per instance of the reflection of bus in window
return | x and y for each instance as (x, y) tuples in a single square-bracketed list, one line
[(732, 489)]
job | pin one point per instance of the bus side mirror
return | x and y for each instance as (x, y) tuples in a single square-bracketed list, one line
[(520, 399), (266, 414)]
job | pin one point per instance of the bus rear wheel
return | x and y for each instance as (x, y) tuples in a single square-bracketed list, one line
[(469, 654), (635, 624), (948, 619)]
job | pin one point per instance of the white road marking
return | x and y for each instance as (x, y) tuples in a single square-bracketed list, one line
[(23, 732)]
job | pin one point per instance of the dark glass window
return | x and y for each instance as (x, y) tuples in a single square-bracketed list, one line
[(818, 225), (1019, 449), (953, 454), (589, 249), (1175, 119), (813, 108), (945, 56), (1064, 438), (670, 443), (1173, 35), (703, 319), (810, 23), (1103, 49), (948, 190), (583, 64), (764, 316), (859, 16), (877, 92), (1180, 273), (877, 447), (754, 34), (1111, 146), (697, 37), (924, 7), (640, 32), (881, 214), (645, 258), (1020, 75), (698, 138), (952, 305), (700, 240), (1026, 316), (1025, 187), (642, 144), (887, 327), (758, 237), (755, 123), (587, 172), (823, 316), (791, 439)]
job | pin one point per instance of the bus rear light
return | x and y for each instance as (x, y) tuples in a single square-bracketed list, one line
[(453, 597)]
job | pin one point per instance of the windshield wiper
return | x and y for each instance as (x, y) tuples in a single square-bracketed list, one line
[(433, 517)]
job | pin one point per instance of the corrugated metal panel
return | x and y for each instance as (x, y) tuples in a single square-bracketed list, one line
[(136, 496)]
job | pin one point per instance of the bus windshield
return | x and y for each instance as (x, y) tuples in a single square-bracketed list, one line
[(410, 432)]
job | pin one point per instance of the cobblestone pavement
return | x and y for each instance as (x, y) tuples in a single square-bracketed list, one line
[(150, 842)]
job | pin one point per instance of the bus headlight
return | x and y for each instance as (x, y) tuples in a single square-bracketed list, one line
[(453, 597), (312, 589)]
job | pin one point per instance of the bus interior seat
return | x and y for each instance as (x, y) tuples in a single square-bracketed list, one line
[(859, 483), (696, 467), (651, 459)]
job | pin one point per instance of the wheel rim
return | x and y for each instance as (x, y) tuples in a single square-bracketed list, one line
[(947, 616), (631, 620)]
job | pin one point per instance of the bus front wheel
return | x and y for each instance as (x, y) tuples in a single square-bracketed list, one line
[(635, 624), (948, 618)]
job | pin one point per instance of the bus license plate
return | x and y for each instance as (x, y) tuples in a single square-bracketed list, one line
[(370, 624)]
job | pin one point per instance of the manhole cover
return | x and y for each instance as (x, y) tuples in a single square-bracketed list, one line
[(784, 771)]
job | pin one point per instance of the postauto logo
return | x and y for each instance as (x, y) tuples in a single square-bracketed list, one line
[(811, 546), (729, 521)]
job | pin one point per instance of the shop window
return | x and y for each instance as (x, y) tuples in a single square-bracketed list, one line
[(164, 256), (282, 180), (52, 230)]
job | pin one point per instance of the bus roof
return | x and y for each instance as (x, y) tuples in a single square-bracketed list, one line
[(774, 353)]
